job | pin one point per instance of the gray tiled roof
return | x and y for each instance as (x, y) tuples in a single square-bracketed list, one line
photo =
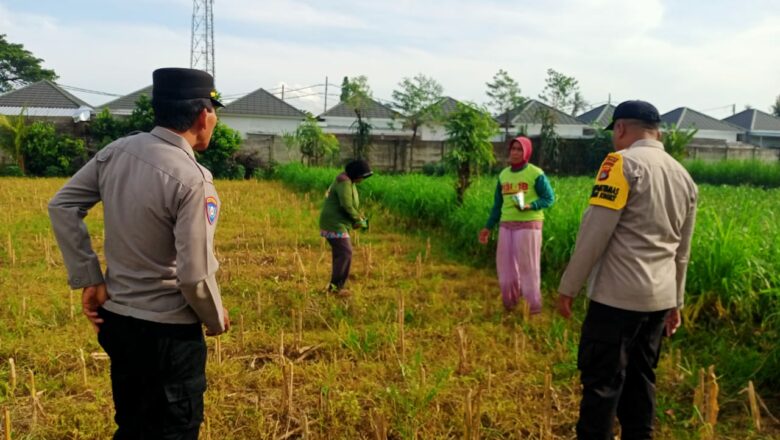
[(127, 102), (755, 120), (42, 94), (262, 103), (374, 110), (448, 105), (530, 113), (687, 118), (601, 115)]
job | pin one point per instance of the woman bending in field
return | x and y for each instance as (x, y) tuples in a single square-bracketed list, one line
[(340, 215), (522, 192)]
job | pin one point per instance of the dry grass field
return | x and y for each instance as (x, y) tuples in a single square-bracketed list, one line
[(421, 350)]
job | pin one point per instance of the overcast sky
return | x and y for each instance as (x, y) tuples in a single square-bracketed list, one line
[(706, 55)]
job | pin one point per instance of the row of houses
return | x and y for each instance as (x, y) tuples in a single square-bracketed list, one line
[(262, 118)]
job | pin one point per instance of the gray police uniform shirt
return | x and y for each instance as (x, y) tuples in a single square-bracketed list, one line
[(160, 210), (634, 240)]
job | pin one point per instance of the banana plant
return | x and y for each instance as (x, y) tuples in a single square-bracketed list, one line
[(13, 130)]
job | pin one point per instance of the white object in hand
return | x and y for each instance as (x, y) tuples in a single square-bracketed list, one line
[(519, 199)]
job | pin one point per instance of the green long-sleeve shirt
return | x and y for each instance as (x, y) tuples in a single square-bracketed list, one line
[(340, 210)]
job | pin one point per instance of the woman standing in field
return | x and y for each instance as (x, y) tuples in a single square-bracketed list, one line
[(522, 192), (340, 215)]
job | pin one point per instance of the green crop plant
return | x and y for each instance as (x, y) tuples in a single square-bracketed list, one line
[(735, 172), (734, 270)]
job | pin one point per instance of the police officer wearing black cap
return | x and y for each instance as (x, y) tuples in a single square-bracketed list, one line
[(159, 287), (633, 248)]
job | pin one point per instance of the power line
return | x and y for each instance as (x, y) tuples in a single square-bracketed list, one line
[(94, 92), (718, 108), (274, 91), (304, 88), (303, 96)]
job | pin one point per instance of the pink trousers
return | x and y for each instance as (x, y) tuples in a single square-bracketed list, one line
[(519, 271)]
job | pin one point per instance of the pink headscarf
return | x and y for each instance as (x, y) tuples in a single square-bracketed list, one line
[(528, 149)]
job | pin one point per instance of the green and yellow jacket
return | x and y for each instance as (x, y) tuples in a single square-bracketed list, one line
[(529, 179)]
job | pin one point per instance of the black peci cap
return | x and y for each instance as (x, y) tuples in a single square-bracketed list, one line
[(176, 83), (641, 110)]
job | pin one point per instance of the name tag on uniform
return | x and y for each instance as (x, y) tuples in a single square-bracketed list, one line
[(211, 209), (611, 187)]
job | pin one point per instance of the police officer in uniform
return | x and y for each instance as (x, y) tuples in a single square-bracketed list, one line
[(633, 247), (160, 212)]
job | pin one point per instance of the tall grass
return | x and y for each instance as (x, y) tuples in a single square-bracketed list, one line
[(735, 172), (734, 270), (735, 251)]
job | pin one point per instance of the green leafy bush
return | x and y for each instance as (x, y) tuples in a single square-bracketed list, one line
[(11, 170), (49, 154), (219, 156)]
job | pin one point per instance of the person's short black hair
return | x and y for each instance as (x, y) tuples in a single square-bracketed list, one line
[(647, 125), (179, 115)]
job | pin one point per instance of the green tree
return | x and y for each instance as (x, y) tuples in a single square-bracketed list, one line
[(142, 117), (219, 156), (47, 153), (417, 100), (599, 147), (504, 94), (676, 140), (549, 154), (344, 89), (469, 129), (357, 96), (19, 66), (13, 130), (776, 107), (562, 93), (313, 144), (104, 129)]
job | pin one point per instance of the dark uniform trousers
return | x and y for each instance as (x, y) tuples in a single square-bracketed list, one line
[(618, 353), (158, 377), (341, 250)]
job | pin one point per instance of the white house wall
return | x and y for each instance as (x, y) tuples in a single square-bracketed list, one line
[(249, 124), (434, 133), (564, 131), (729, 136), (437, 133), (379, 126)]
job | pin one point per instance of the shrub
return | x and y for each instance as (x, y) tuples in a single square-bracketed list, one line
[(219, 156), (11, 170), (250, 160), (435, 169), (48, 154)]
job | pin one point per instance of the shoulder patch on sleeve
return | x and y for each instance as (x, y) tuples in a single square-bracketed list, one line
[(212, 208), (611, 187)]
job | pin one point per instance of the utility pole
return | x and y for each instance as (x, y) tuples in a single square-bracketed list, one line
[(282, 92), (202, 37), (325, 108)]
